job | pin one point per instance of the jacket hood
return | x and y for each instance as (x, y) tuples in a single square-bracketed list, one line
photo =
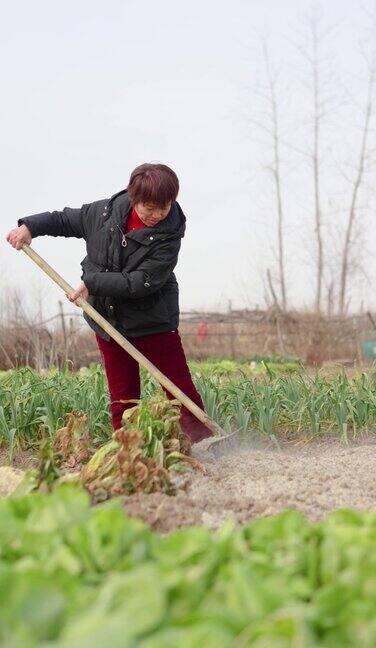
[(173, 225)]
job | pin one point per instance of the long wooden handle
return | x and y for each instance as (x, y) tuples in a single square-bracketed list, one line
[(123, 342)]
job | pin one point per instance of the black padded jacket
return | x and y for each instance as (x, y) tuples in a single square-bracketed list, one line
[(130, 277)]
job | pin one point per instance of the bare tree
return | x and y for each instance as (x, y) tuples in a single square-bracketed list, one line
[(275, 168), (356, 184), (316, 161), (269, 94), (319, 140), (272, 291), (319, 83)]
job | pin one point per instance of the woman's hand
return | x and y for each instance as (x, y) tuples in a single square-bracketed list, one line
[(81, 291), (18, 236)]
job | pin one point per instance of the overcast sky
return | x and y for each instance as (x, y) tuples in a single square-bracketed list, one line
[(91, 89)]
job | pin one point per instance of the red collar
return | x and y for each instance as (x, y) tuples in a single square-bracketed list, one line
[(134, 221)]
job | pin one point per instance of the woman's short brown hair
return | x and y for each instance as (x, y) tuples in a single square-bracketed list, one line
[(156, 184)]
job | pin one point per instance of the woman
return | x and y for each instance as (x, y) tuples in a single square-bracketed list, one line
[(133, 241)]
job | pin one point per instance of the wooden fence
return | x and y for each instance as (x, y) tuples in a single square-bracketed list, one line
[(236, 334)]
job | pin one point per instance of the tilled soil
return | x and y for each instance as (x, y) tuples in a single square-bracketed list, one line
[(315, 479), (10, 476)]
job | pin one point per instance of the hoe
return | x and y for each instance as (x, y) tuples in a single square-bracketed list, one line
[(223, 441)]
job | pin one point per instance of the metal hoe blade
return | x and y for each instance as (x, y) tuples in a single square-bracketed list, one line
[(223, 444)]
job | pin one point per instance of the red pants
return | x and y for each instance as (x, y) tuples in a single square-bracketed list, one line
[(166, 352)]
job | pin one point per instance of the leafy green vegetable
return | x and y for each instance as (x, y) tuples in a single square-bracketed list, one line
[(72, 576)]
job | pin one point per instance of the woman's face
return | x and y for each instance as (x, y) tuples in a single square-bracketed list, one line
[(150, 214)]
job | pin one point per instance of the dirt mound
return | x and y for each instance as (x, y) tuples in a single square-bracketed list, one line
[(315, 479), (9, 480)]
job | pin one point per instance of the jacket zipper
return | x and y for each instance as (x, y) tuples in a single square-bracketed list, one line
[(123, 239)]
